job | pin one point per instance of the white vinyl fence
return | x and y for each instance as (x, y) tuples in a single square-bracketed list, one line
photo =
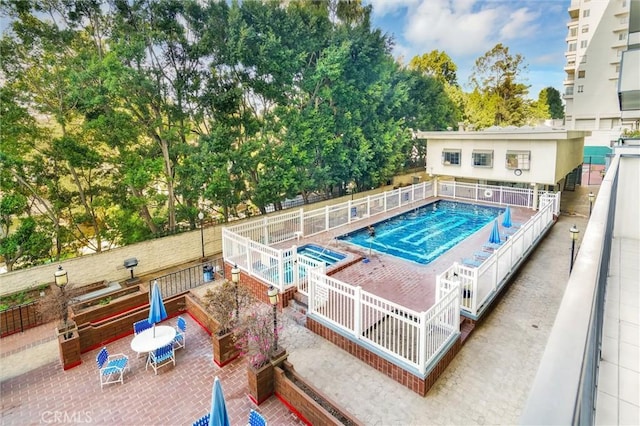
[(247, 245), (413, 339), (479, 285), (523, 197)]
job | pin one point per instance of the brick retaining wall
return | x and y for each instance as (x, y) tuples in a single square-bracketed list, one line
[(419, 385)]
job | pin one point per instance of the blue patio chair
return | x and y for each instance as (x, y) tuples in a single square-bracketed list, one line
[(160, 357), (180, 340), (490, 246), (256, 419), (111, 367), (202, 421), (140, 326), (471, 262), (482, 255)]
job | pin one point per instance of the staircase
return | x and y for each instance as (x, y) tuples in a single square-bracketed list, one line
[(297, 308), (571, 179), (466, 327)]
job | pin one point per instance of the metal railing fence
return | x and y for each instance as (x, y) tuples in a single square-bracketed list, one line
[(185, 279), (19, 318)]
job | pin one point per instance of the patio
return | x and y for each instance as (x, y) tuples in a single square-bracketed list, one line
[(177, 395)]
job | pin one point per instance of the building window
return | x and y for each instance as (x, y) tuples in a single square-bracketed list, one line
[(583, 44), (583, 60), (580, 89), (569, 91), (585, 13), (451, 157), (482, 158), (572, 47), (617, 68), (573, 32), (622, 36), (581, 73), (585, 29), (518, 160)]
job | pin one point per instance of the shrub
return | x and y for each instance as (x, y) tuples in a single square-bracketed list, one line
[(254, 333), (220, 302)]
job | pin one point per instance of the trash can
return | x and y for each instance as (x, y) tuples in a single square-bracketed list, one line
[(207, 271)]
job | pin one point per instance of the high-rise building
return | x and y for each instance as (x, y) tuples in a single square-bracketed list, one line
[(599, 34)]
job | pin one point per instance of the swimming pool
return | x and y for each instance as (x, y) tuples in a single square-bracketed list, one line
[(325, 255), (425, 233)]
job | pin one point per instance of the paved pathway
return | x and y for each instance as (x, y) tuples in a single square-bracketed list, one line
[(487, 383)]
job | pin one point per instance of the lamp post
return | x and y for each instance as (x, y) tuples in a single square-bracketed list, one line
[(592, 197), (273, 299), (351, 186), (235, 277), (201, 217), (61, 280), (574, 236)]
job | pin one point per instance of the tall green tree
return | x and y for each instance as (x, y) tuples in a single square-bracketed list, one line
[(550, 96), (436, 64), (497, 77)]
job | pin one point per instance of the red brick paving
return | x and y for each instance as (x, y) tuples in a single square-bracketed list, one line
[(182, 394), (176, 396)]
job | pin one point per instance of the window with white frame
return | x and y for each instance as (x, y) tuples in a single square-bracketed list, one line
[(581, 73), (586, 13), (585, 29), (482, 158), (451, 157), (518, 160), (580, 89), (572, 47), (583, 44)]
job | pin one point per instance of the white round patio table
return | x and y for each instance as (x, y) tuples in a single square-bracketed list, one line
[(147, 341)]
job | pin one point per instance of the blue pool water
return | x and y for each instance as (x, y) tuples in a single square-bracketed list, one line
[(425, 233), (320, 253)]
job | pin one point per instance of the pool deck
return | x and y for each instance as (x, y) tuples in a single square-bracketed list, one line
[(407, 283), (487, 383)]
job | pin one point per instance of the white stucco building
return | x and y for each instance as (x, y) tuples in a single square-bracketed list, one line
[(542, 157), (599, 34)]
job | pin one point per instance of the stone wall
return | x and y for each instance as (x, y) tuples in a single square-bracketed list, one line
[(153, 255)]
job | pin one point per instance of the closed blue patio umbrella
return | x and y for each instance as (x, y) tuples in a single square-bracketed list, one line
[(218, 415), (494, 238), (157, 311), (506, 220)]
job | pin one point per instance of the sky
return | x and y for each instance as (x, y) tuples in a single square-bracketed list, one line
[(467, 29)]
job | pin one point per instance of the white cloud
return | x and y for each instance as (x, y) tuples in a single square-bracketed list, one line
[(384, 7), (521, 23), (464, 27)]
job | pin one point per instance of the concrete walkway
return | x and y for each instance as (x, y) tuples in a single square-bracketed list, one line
[(487, 383)]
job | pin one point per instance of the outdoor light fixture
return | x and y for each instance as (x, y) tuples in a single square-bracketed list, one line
[(592, 197), (351, 186), (574, 236), (61, 277), (273, 299), (235, 278), (201, 217)]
